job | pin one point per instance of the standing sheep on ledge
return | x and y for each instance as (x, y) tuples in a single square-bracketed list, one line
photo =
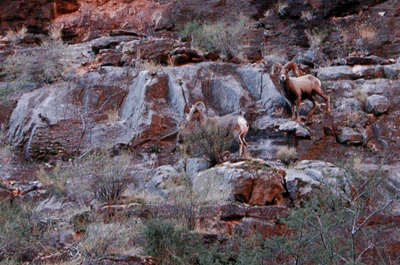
[(297, 89), (234, 125)]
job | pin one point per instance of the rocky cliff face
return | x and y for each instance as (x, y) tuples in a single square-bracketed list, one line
[(369, 25), (115, 111)]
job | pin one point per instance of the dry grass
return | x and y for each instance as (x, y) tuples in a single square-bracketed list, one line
[(6, 151), (112, 116), (55, 32), (17, 35), (306, 15), (96, 175), (286, 154), (367, 33), (281, 6), (360, 96), (103, 240), (316, 36), (56, 178)]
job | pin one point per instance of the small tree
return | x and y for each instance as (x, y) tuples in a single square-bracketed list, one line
[(337, 224)]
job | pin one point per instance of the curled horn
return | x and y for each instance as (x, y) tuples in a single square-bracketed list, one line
[(196, 107), (292, 66)]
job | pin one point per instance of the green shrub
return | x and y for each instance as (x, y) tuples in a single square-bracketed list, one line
[(225, 36), (170, 243)]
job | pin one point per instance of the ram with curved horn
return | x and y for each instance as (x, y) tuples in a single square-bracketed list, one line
[(297, 89), (235, 125)]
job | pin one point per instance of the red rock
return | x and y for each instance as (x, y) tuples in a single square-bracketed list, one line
[(265, 189)]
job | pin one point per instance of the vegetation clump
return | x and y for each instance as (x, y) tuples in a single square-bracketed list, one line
[(225, 36)]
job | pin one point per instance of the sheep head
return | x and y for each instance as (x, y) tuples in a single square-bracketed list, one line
[(283, 71)]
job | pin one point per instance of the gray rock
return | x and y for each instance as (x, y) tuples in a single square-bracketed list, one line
[(339, 85), (310, 174), (108, 42), (334, 73), (228, 95), (392, 71), (350, 136), (377, 104), (368, 72), (253, 79), (260, 86), (346, 72), (313, 164), (157, 183), (193, 166), (346, 105), (215, 185), (163, 20), (275, 124), (299, 183), (293, 126), (376, 86)]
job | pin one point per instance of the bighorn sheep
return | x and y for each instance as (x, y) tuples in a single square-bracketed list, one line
[(235, 125), (297, 89)]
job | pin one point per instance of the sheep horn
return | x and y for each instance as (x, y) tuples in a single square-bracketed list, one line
[(292, 66)]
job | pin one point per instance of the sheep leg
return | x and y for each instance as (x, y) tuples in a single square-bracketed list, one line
[(242, 145), (298, 101), (313, 109), (328, 101), (293, 107)]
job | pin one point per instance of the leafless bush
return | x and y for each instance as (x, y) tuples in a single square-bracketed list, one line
[(209, 143)]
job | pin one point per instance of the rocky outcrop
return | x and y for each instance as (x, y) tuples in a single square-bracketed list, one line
[(237, 182), (130, 107)]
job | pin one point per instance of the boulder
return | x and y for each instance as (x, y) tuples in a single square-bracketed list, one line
[(351, 136), (344, 106), (267, 123), (183, 55), (392, 71), (108, 42), (122, 105), (375, 86), (310, 174), (368, 72), (151, 49), (236, 182), (229, 219), (366, 60), (345, 72), (377, 104), (334, 73)]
